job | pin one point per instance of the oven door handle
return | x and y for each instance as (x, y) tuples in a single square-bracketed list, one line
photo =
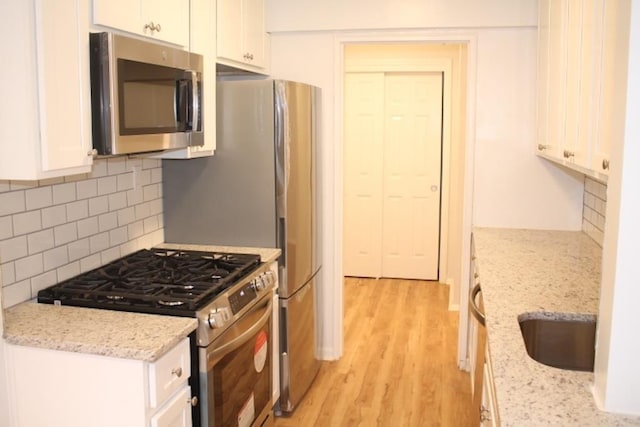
[(244, 336)]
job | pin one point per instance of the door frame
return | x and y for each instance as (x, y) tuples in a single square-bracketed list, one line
[(335, 323)]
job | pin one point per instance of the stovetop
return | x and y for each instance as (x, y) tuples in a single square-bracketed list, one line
[(158, 281)]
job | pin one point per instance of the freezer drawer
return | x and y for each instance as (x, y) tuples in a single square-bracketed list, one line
[(299, 362)]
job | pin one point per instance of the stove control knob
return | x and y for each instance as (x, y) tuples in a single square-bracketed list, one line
[(259, 283), (218, 317)]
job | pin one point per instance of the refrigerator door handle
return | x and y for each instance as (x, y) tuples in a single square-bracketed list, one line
[(282, 241)]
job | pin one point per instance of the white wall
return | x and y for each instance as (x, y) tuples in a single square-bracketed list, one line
[(313, 15), (617, 371), (513, 188)]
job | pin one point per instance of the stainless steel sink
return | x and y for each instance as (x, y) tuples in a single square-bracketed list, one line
[(560, 340)]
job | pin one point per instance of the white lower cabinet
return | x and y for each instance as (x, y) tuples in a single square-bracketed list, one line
[(489, 416), (65, 389)]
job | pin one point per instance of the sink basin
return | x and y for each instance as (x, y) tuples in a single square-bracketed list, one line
[(560, 340)]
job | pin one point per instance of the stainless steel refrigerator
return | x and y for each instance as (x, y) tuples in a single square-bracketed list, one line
[(259, 189)]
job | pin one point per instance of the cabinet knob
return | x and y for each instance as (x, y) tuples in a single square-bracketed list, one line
[(568, 154), (248, 56), (152, 27), (92, 153), (177, 372), (193, 401), (605, 164), (542, 147)]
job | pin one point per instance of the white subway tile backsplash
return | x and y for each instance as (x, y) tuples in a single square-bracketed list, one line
[(16, 293), (67, 271), (117, 165), (29, 266), (118, 236), (99, 242), (23, 185), (126, 216), (87, 188), (108, 221), (156, 175), (90, 262), (53, 216), (27, 222), (151, 163), (77, 210), (64, 193), (12, 202), (151, 192), (87, 227), (125, 181), (8, 273), (135, 196), (6, 227), (109, 255), (65, 233), (53, 229), (79, 249), (14, 248), (150, 224), (40, 241), (38, 198), (55, 257), (117, 201), (107, 185), (594, 209), (98, 205), (98, 169), (135, 229), (42, 281)]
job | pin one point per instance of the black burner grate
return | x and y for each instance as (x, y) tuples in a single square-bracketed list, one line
[(159, 281)]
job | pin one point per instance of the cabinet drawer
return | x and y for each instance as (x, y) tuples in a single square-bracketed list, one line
[(176, 413), (169, 373)]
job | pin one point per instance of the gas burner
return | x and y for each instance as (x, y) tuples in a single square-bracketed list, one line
[(161, 281)]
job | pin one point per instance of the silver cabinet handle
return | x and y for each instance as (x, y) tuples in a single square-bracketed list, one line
[(92, 153), (473, 308), (605, 164), (177, 372), (152, 27)]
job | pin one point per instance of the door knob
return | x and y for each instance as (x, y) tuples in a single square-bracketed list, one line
[(434, 188)]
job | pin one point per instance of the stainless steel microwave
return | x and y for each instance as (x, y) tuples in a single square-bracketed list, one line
[(144, 96)]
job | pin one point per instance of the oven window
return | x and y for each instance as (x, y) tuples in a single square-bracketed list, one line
[(242, 382), (149, 96)]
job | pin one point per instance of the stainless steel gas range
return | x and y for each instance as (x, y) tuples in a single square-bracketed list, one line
[(230, 295)]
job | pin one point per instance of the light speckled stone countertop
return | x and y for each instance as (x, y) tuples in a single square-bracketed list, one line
[(106, 332), (538, 271), (87, 330)]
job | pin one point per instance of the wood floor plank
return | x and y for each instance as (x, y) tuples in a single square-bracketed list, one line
[(399, 364)]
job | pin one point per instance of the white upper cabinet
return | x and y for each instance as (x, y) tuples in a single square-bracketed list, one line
[(581, 50), (166, 20), (203, 42), (45, 118), (242, 40)]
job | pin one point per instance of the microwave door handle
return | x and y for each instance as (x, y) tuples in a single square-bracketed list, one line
[(181, 105), (195, 102)]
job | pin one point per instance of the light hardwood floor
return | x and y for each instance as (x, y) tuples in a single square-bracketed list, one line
[(399, 364)]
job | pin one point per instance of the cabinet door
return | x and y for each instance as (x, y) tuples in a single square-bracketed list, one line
[(125, 15), (171, 18), (558, 14), (229, 23), (254, 34), (166, 20), (176, 413), (574, 147), (542, 140), (63, 80)]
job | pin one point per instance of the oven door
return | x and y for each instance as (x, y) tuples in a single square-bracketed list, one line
[(235, 372)]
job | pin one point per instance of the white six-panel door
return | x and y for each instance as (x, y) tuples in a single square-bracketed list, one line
[(393, 145)]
